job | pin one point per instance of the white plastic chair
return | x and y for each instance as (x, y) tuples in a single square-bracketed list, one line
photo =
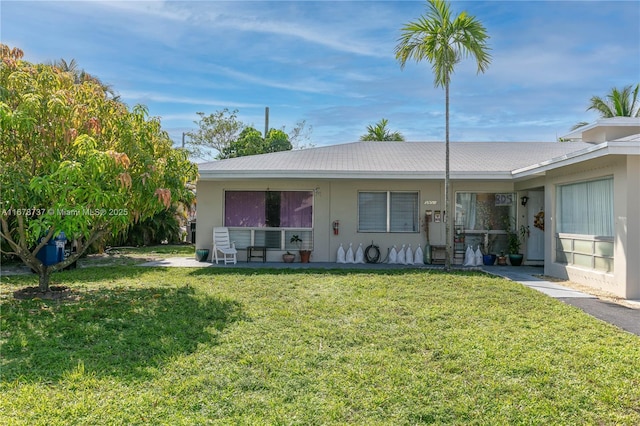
[(222, 245)]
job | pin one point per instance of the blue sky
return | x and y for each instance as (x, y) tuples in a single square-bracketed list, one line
[(332, 63)]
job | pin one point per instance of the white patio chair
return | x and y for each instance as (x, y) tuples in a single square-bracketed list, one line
[(221, 244)]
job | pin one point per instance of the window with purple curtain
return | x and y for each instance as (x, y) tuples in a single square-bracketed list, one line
[(274, 209), (245, 208)]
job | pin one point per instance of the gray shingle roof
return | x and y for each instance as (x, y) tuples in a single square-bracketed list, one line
[(393, 159)]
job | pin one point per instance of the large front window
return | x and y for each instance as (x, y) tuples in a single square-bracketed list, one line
[(269, 218), (270, 209), (585, 226), (586, 208), (388, 211)]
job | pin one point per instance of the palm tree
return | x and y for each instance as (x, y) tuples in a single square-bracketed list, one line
[(444, 43), (618, 103), (70, 67), (380, 132), (80, 75)]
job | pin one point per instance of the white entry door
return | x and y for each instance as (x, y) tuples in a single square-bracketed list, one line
[(535, 242)]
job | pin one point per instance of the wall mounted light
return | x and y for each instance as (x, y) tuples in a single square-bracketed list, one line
[(524, 200)]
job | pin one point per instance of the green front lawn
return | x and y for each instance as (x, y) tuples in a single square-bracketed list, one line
[(224, 346)]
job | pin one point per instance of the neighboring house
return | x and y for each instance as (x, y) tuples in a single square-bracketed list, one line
[(579, 201)]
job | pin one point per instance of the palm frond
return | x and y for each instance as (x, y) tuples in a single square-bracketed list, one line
[(618, 103), (443, 42)]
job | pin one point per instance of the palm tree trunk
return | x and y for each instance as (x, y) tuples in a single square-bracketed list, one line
[(447, 204)]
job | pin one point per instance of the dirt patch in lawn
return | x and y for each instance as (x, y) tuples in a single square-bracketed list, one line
[(56, 292)]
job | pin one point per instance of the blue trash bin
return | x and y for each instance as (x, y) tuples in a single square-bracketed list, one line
[(48, 254), (53, 251)]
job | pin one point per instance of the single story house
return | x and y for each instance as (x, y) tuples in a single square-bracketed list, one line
[(577, 202)]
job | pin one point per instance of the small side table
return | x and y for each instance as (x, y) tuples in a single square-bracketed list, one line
[(257, 251)]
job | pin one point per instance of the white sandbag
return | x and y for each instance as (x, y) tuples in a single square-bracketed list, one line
[(340, 257), (408, 256), (359, 254), (478, 257), (401, 256), (393, 255), (469, 257), (418, 256), (349, 258)]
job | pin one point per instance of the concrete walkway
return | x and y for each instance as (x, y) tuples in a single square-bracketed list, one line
[(527, 275), (621, 316)]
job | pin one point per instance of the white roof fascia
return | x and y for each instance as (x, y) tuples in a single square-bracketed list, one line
[(597, 151), (481, 175), (603, 122)]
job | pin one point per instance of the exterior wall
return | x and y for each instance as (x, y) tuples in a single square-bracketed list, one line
[(344, 207), (338, 200), (624, 280), (609, 133), (630, 246)]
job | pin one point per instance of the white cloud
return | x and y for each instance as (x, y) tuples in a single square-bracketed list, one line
[(143, 97)]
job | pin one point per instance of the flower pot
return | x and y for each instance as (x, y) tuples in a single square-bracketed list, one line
[(202, 255), (516, 259), (288, 257), (502, 260), (489, 259), (305, 255)]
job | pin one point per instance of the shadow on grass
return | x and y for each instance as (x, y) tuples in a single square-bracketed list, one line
[(126, 333), (80, 275)]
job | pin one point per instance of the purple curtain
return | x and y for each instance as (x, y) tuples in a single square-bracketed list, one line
[(244, 208), (296, 209), (248, 209)]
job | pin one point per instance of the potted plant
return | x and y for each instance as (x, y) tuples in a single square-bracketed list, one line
[(304, 254), (202, 255), (489, 258), (515, 240), (288, 257)]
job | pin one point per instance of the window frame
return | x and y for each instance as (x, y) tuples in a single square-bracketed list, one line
[(388, 212)]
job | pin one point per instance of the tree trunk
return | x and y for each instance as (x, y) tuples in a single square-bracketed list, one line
[(447, 210), (45, 275)]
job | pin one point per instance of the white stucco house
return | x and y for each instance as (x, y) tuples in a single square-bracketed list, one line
[(578, 201)]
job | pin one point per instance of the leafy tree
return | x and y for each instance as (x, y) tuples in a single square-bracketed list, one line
[(277, 140), (215, 132), (224, 133), (380, 132), (618, 103), (251, 142), (444, 42), (74, 160)]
